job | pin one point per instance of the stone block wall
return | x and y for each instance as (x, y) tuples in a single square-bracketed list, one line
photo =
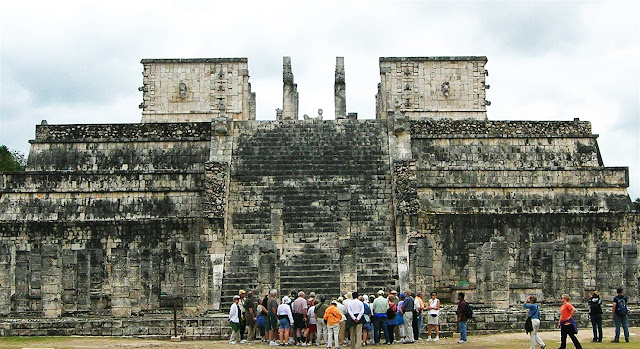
[(193, 90), (433, 87)]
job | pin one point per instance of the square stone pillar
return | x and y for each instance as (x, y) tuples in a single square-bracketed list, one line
[(5, 280), (51, 287), (120, 297), (493, 279)]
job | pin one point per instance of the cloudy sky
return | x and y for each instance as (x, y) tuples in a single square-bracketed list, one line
[(76, 62)]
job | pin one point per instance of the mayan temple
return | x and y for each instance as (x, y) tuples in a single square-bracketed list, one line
[(200, 199)]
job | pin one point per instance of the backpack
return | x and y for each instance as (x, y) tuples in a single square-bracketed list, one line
[(468, 311), (594, 307), (621, 306)]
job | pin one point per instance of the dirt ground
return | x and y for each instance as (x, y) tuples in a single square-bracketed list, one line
[(497, 341)]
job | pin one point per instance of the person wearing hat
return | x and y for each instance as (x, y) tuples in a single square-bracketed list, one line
[(285, 320), (379, 319), (333, 318), (243, 319), (321, 335), (343, 323), (234, 320)]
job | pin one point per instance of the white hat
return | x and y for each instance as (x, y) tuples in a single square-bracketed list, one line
[(286, 300)]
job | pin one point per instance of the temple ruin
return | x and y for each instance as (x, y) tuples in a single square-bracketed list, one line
[(200, 199)]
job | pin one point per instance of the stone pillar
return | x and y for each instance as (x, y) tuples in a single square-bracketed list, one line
[(348, 266), (5, 279), (630, 253), (83, 283), (289, 92), (120, 297), (574, 265), (51, 280), (339, 88), (69, 266), (494, 261), (190, 293), (21, 275)]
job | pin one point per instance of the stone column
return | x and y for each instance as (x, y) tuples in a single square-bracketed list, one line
[(120, 301), (69, 265), (630, 253), (5, 279), (348, 267), (574, 259), (190, 293), (495, 264), (51, 280), (289, 92), (339, 88)]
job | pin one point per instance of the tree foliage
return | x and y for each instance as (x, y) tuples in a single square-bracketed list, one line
[(636, 204), (11, 160)]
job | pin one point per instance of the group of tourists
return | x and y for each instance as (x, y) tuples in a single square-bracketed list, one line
[(567, 324), (352, 319), (358, 320)]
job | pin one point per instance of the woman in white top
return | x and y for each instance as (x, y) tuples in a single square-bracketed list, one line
[(285, 320), (434, 314)]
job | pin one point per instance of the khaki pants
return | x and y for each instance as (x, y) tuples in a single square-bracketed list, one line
[(343, 325), (408, 326), (321, 335), (356, 336), (251, 331), (333, 335)]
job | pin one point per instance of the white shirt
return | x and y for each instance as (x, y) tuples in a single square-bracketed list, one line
[(434, 303), (355, 309), (343, 311), (311, 315), (233, 313), (285, 309)]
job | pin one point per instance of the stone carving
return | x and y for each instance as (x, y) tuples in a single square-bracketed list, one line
[(319, 117), (278, 114), (182, 88), (445, 88), (221, 125)]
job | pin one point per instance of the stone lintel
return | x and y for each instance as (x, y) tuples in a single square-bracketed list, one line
[(433, 59), (194, 60)]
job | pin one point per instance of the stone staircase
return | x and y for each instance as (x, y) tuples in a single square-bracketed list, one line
[(303, 197)]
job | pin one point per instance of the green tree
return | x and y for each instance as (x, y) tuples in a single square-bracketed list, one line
[(636, 204), (11, 160)]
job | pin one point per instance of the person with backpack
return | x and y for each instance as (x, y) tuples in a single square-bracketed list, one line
[(462, 313), (534, 314), (620, 311), (595, 314), (567, 324)]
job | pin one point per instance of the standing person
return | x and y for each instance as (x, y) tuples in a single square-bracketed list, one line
[(534, 314), (333, 318), (243, 320), (398, 331), (366, 327), (433, 317), (462, 317), (420, 307), (343, 322), (250, 316), (310, 332), (619, 311), (272, 308), (299, 308), (321, 335), (234, 320), (355, 308), (392, 323), (285, 320), (567, 324), (262, 318), (595, 315), (379, 319), (408, 306)]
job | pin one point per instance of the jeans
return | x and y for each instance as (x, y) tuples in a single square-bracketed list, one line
[(420, 323), (378, 322), (463, 330), (596, 324), (621, 320)]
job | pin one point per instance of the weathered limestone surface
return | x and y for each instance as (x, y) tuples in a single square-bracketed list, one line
[(200, 200)]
